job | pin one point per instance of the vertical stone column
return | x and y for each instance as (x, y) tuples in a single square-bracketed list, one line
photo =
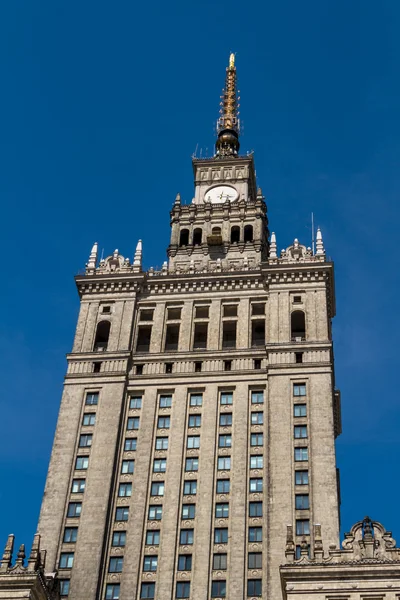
[(214, 327), (157, 333), (81, 326)]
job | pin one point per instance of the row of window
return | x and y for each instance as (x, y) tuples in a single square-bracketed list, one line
[(196, 239)]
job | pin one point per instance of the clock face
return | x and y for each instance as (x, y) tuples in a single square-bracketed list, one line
[(220, 194)]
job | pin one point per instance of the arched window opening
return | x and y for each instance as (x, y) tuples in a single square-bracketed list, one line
[(184, 238), (248, 233), (197, 235), (298, 326), (216, 231), (235, 234), (102, 335)]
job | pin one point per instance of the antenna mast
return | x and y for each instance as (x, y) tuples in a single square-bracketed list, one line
[(312, 234)]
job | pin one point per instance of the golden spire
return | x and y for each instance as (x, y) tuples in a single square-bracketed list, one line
[(228, 125)]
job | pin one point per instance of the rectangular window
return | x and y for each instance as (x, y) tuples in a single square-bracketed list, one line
[(150, 563), (169, 367), (153, 537), (146, 314), (143, 339), (165, 401), (218, 589), (201, 312), (256, 485), (254, 560), (119, 539), (128, 467), (157, 488), (254, 587), (183, 589), (257, 418), (225, 419), (256, 461), (192, 464), (188, 511), (89, 419), (172, 338), (224, 463), (70, 535), (256, 439), (302, 527), (147, 591), (300, 431), (130, 444), (222, 510), (229, 334), (299, 389), (190, 488), (194, 420), (196, 399), (112, 591), (257, 309), (159, 465), (302, 502), (255, 509), (221, 535), (257, 397), (66, 560), (133, 423), (197, 366), (230, 310), (81, 463), (258, 332), (161, 443), (193, 441), (85, 440), (155, 513), (74, 509), (186, 536), (174, 313), (92, 398), (200, 336), (300, 410), (122, 513), (78, 486), (300, 454), (164, 422), (223, 486), (135, 402), (227, 365), (220, 562), (125, 490), (225, 441), (226, 398), (301, 477), (64, 587), (255, 534), (115, 565), (185, 562)]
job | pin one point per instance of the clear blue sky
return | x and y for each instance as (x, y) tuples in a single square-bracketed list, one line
[(102, 105)]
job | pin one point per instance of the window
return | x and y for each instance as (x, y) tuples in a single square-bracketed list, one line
[(197, 234), (223, 486), (224, 463), (202, 312), (112, 591), (153, 537), (66, 560), (161, 443), (174, 314), (125, 490), (256, 439), (300, 410), (248, 233), (78, 486), (197, 367), (229, 334), (196, 399), (157, 488), (257, 418), (186, 536), (257, 397), (194, 420), (225, 441), (146, 314), (298, 325), (225, 419), (258, 332), (222, 510), (122, 513), (102, 335), (235, 234), (192, 464), (254, 560), (227, 365), (165, 401), (168, 367), (147, 590), (299, 389), (164, 422), (89, 419), (256, 485), (85, 440), (159, 465), (188, 511), (92, 398), (155, 513), (130, 444), (221, 535), (115, 565), (143, 339), (74, 509), (300, 431), (193, 441), (218, 589), (230, 310), (220, 562), (298, 357), (255, 509), (185, 562), (183, 589), (254, 587), (150, 563), (190, 488), (258, 309), (200, 336), (133, 423), (300, 454), (255, 534), (296, 299), (256, 461), (302, 527), (64, 587), (302, 502), (139, 369), (257, 363), (119, 538), (226, 398), (301, 477), (128, 466), (172, 338), (96, 367), (81, 463), (135, 402), (70, 535)]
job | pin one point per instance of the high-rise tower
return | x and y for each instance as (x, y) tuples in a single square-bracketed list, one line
[(199, 412)]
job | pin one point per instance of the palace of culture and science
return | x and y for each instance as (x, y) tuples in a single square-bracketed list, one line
[(194, 456)]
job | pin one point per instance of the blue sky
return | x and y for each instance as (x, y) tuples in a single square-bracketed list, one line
[(102, 106)]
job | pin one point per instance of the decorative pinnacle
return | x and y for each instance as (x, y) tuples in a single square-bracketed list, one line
[(228, 125)]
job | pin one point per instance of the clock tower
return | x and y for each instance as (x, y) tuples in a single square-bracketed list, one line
[(226, 224)]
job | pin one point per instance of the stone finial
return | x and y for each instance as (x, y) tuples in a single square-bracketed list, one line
[(304, 547), (319, 244), (259, 193), (272, 246), (290, 547), (178, 199), (6, 561), (34, 557), (91, 266), (318, 546), (137, 259), (21, 556), (164, 268)]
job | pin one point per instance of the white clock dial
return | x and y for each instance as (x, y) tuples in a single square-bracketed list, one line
[(221, 194)]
